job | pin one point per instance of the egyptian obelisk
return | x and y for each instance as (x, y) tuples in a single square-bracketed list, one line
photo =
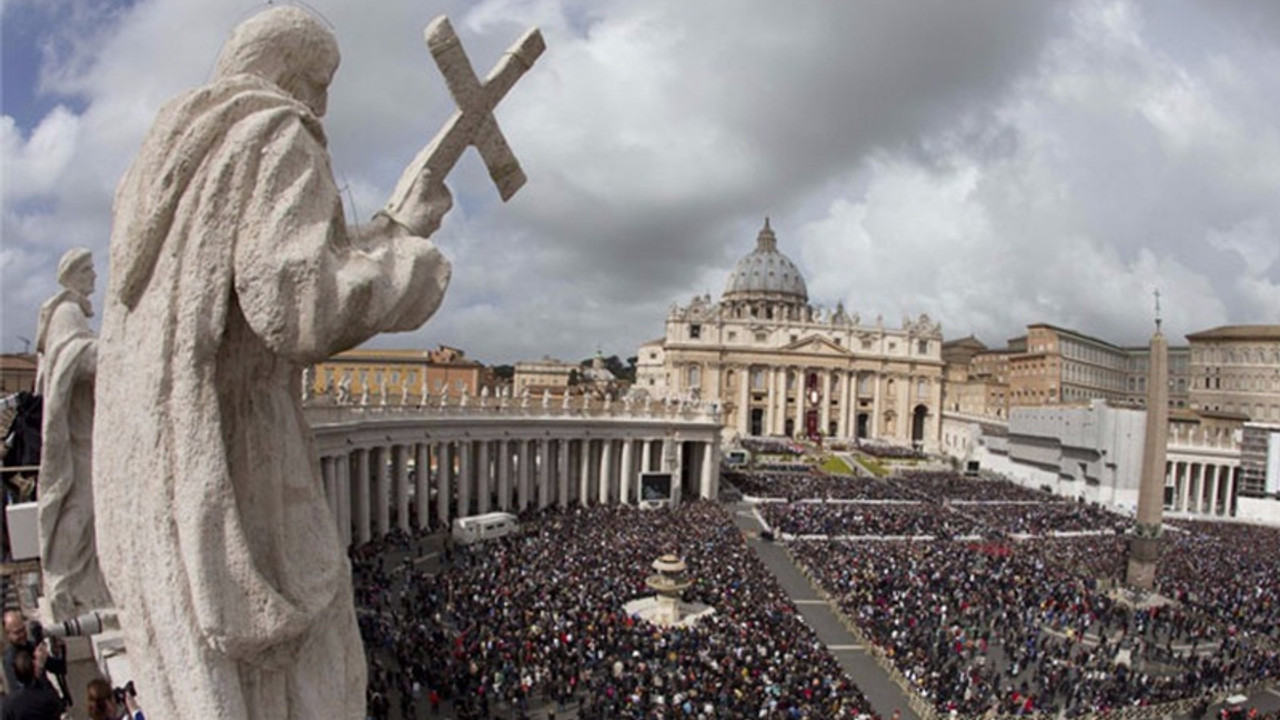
[(1144, 544)]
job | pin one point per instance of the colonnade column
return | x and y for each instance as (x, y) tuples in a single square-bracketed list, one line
[(504, 475), (422, 483), (562, 473), (444, 472), (525, 477), (484, 478), (343, 478), (584, 467), (362, 492), (606, 468), (646, 456), (544, 472), (330, 486), (381, 494), (628, 475), (466, 477), (400, 469)]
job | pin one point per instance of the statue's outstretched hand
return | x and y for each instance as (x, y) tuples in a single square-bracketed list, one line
[(425, 206)]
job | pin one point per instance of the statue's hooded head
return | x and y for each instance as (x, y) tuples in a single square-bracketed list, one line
[(75, 271), (287, 46)]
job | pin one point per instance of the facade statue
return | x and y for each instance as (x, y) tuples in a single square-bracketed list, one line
[(68, 358), (232, 268)]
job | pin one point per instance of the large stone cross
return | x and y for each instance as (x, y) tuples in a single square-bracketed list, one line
[(473, 122)]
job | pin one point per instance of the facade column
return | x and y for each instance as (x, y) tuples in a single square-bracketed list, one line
[(444, 473), (364, 509), (627, 473), (466, 476), (343, 477), (584, 467), (606, 468), (842, 419), (902, 424), (780, 415), (770, 402), (526, 476), (708, 485), (504, 475), (422, 483), (400, 468), (744, 401), (562, 473), (646, 456), (824, 411), (873, 427)]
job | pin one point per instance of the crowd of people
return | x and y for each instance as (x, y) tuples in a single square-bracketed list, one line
[(1017, 627), (1044, 518), (899, 519), (771, 446), (538, 618), (949, 485), (813, 483)]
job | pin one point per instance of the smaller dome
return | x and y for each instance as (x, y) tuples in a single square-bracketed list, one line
[(766, 273)]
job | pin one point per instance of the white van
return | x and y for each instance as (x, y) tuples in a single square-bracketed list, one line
[(472, 529)]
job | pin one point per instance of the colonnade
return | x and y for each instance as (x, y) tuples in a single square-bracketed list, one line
[(372, 487), (1202, 488)]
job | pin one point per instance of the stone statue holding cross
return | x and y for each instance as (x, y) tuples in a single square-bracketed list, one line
[(232, 269)]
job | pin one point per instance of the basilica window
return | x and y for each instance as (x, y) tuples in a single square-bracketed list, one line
[(866, 343), (922, 347), (695, 376), (695, 332), (732, 336), (762, 337), (757, 379)]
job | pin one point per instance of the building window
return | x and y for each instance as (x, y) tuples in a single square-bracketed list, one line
[(866, 343), (922, 347), (732, 336), (695, 376), (757, 379), (695, 332), (794, 338), (762, 337)]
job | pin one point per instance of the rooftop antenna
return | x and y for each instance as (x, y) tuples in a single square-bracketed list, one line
[(1157, 294)]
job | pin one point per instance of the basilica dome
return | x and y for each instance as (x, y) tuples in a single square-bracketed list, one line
[(766, 274)]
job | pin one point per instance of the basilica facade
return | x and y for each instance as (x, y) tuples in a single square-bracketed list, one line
[(777, 366)]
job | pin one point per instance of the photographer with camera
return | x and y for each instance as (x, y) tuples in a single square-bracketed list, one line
[(20, 640), (31, 700), (105, 703)]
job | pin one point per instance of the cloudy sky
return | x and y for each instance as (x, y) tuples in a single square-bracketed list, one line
[(989, 163)]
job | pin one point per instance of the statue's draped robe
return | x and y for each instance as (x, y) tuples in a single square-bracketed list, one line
[(73, 583), (231, 268)]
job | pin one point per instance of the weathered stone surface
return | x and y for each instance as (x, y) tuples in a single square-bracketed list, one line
[(232, 268)]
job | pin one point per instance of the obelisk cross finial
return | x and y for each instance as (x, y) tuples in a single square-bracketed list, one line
[(473, 122), (1157, 294)]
